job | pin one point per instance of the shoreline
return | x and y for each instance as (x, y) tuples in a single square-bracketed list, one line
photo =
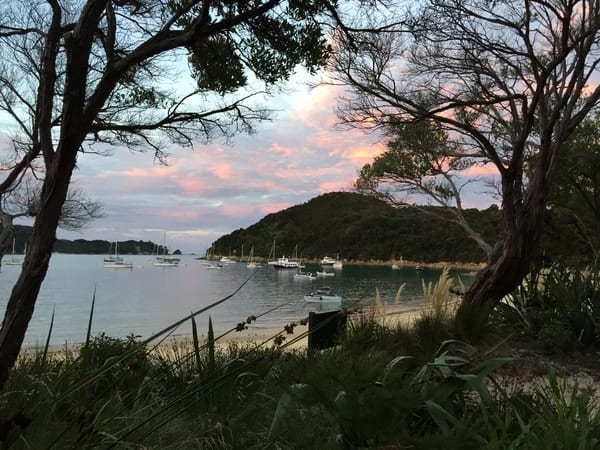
[(351, 262), (253, 335)]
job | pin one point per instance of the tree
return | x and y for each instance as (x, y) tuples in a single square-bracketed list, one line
[(77, 76), (576, 191), (505, 80), (421, 161)]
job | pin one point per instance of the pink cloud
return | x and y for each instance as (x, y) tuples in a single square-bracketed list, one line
[(222, 171), (486, 170)]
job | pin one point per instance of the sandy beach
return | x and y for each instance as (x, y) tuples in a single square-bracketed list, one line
[(298, 339)]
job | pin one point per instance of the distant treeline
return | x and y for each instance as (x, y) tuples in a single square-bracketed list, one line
[(82, 246), (358, 227)]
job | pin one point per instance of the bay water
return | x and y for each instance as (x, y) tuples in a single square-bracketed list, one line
[(147, 298)]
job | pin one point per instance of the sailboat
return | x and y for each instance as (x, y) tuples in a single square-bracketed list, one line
[(251, 264), (13, 260), (115, 261), (166, 260), (271, 259), (110, 258)]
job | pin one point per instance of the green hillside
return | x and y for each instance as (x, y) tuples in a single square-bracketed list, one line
[(358, 227)]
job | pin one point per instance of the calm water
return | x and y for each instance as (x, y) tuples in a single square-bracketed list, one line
[(146, 299)]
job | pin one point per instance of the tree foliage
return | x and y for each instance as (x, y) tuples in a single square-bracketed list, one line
[(420, 160), (505, 80), (575, 196), (78, 76)]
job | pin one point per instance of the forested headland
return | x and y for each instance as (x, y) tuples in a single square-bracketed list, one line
[(83, 246)]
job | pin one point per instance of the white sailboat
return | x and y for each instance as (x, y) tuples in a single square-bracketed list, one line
[(166, 260), (251, 264), (115, 261), (13, 260)]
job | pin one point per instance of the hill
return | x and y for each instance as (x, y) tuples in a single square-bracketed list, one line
[(359, 227)]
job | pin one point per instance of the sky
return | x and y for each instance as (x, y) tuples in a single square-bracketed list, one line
[(217, 188)]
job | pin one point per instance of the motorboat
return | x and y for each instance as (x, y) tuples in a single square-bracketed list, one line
[(226, 260), (328, 261), (323, 295), (286, 263)]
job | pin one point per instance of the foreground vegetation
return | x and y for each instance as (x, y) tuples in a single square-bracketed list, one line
[(388, 385)]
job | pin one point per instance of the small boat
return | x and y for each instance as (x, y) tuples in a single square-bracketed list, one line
[(165, 260), (217, 266), (323, 295), (325, 274), (419, 268), (226, 260), (304, 276), (395, 267), (118, 265), (115, 261), (251, 264), (328, 261)]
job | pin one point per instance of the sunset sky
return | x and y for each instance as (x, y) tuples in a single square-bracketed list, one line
[(217, 188)]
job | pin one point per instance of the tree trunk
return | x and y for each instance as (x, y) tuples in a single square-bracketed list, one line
[(19, 309), (508, 264)]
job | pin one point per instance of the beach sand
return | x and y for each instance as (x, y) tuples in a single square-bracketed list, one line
[(298, 340)]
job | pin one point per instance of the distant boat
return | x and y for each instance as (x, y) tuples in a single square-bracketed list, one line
[(251, 264), (226, 260), (304, 276), (166, 260), (419, 268), (13, 260), (323, 295), (112, 258), (287, 263), (328, 261), (325, 274), (115, 261), (271, 259), (395, 267)]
